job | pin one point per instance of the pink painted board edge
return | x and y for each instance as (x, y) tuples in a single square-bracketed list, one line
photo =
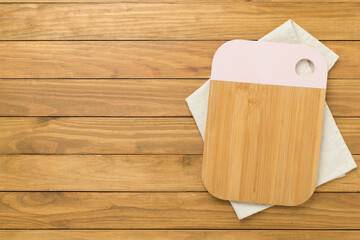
[(267, 63)]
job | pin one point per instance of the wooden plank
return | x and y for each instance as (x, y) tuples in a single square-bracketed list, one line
[(302, 1), (120, 173), (343, 97), (99, 136), (106, 59), (178, 234), (133, 59), (192, 210), (100, 173), (176, 21), (100, 97), (175, 1), (345, 67), (130, 97), (350, 129), (102, 135)]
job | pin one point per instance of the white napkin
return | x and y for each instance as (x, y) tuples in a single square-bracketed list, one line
[(335, 157)]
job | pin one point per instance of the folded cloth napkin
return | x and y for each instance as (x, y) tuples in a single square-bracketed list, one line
[(335, 158)]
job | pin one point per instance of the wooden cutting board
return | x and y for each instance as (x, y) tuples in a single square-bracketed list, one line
[(264, 123)]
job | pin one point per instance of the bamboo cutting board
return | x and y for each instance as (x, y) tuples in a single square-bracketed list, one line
[(264, 123)]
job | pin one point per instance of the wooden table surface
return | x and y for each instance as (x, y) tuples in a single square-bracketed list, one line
[(97, 142)]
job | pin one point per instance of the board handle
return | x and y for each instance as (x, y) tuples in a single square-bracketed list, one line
[(267, 63)]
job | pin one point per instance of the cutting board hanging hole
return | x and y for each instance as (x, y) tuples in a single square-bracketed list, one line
[(304, 68)]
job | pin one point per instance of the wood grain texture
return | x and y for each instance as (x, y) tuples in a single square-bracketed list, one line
[(106, 59), (190, 210), (131, 97), (176, 1), (177, 234), (343, 97), (98, 97), (175, 21), (350, 128), (133, 59), (121, 173), (262, 142), (101, 135), (100, 173)]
